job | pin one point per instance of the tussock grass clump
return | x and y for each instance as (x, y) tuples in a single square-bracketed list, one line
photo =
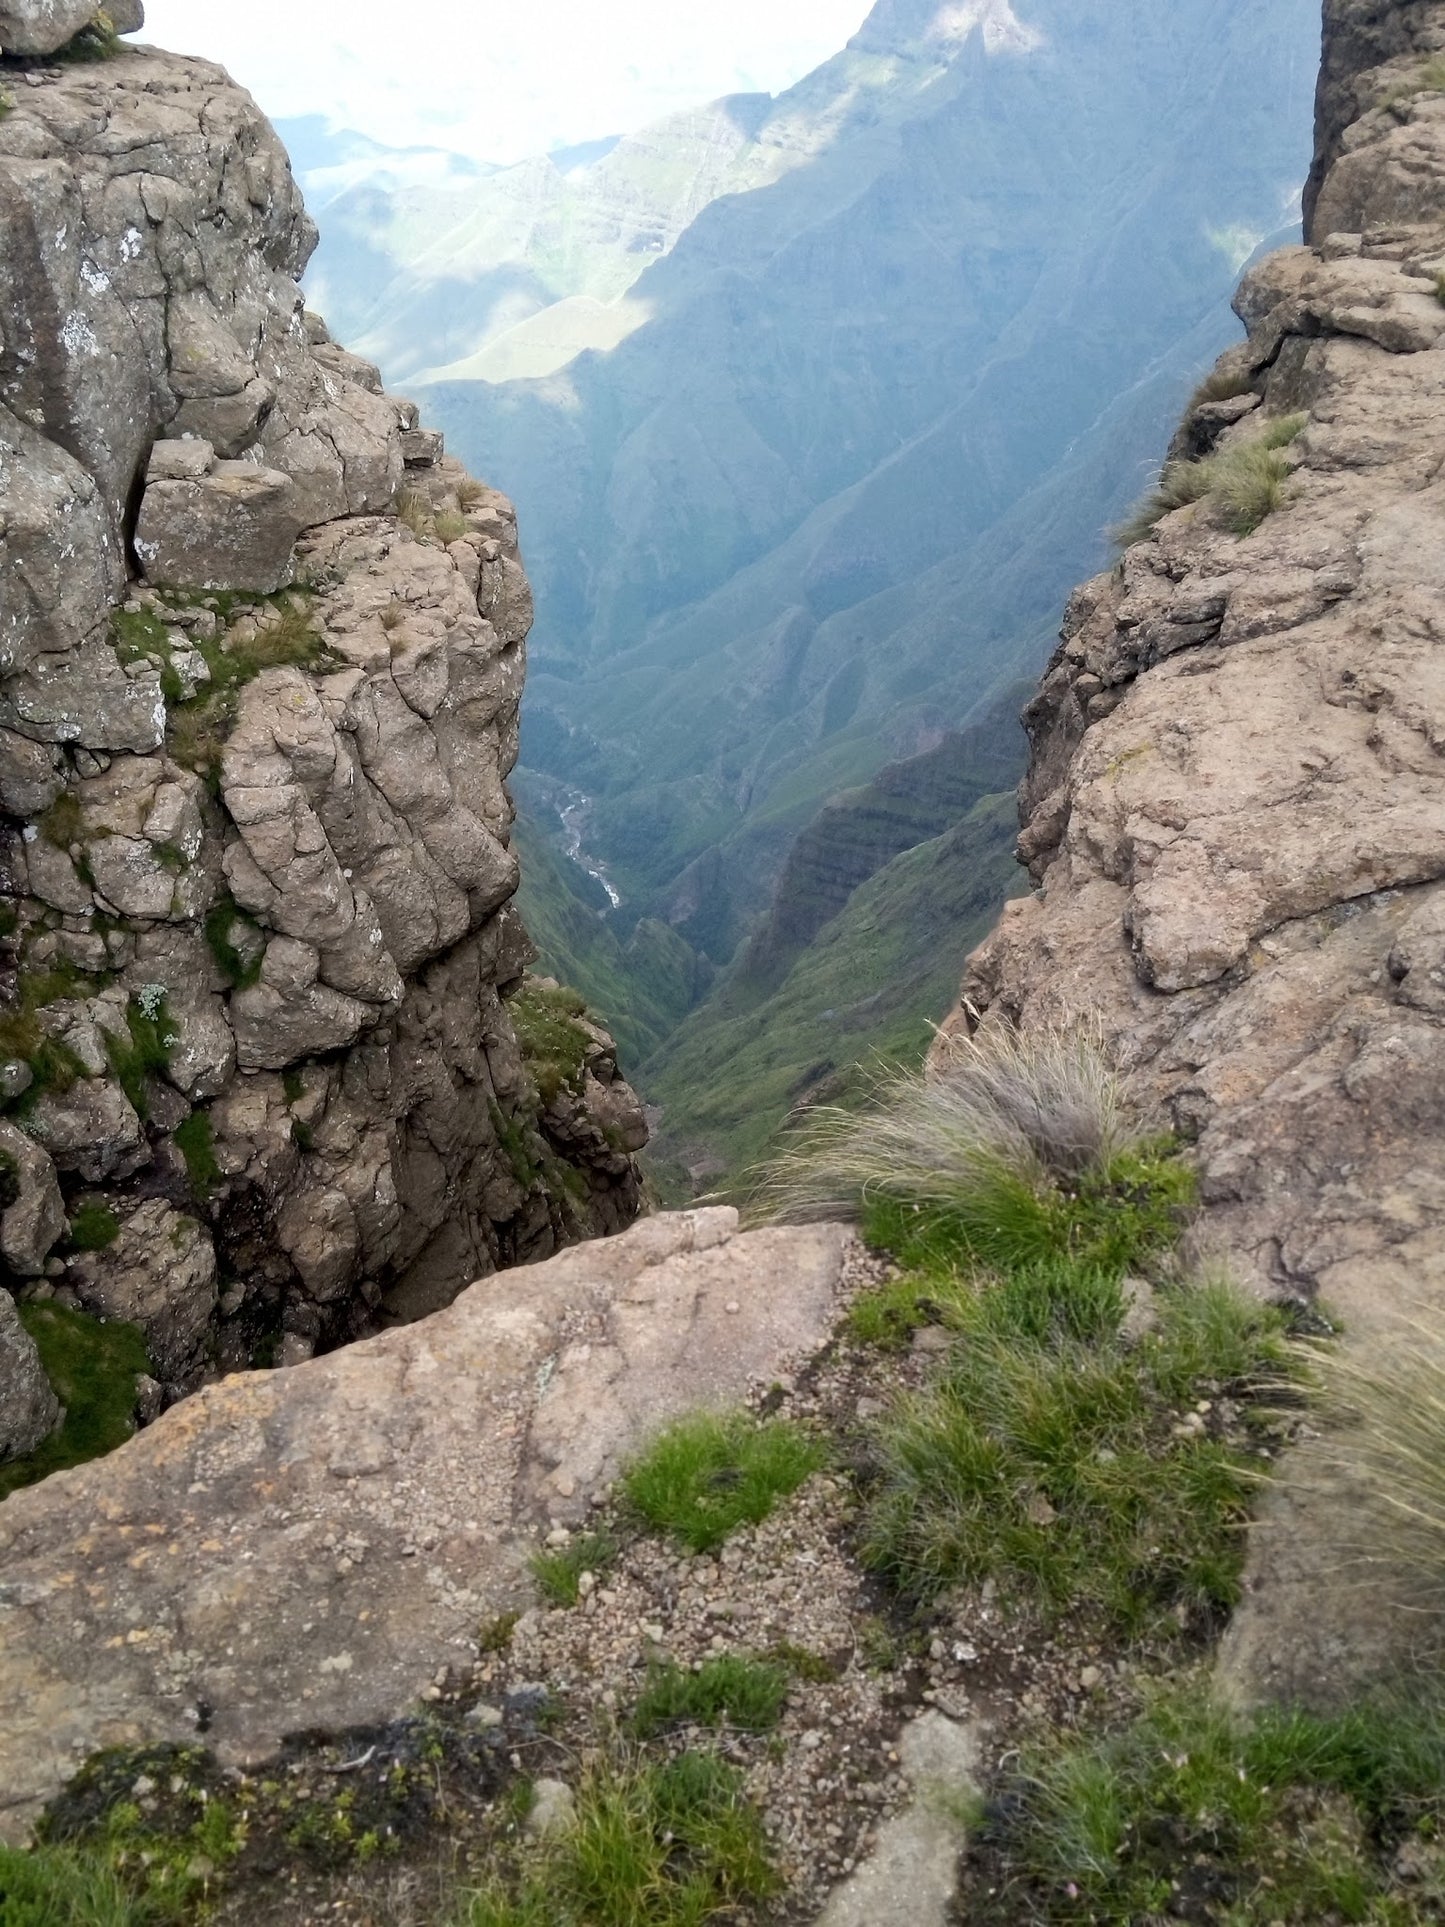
[(706, 1476), (1388, 1455), (1243, 483), (449, 526), (653, 1844), (145, 1051), (470, 492), (1191, 1812), (1220, 384), (1082, 1471), (1440, 287), (746, 1693), (559, 1573), (93, 1368), (1018, 1152)]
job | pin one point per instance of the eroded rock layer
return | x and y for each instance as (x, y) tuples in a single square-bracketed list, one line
[(261, 655), (1235, 814)]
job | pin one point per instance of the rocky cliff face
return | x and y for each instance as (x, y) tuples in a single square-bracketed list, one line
[(1235, 813), (266, 1031)]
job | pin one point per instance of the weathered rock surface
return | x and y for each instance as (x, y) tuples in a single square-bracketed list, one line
[(42, 26), (29, 1411), (254, 849), (1235, 813), (306, 1548)]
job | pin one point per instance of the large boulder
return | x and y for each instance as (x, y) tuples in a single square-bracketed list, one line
[(29, 1409), (307, 1547), (40, 26), (234, 527)]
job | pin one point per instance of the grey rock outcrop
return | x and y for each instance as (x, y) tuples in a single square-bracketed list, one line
[(308, 1547), (43, 26), (256, 991), (1235, 813), (29, 1409)]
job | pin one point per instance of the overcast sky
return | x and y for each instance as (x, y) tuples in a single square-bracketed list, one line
[(502, 82)]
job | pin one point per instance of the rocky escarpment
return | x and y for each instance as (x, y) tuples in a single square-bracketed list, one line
[(1235, 814), (267, 1042)]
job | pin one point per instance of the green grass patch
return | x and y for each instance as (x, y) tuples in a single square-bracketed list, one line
[(65, 1887), (94, 1226), (145, 1051), (195, 1139), (706, 1476), (53, 1065), (1192, 1812), (221, 932), (553, 1044), (558, 1572), (1440, 287), (1115, 1217), (1070, 1464), (746, 1693), (1243, 483), (93, 1368), (667, 1844)]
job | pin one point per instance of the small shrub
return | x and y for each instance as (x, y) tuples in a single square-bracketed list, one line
[(195, 1139), (667, 1844), (1193, 1812), (749, 1694), (706, 1476), (93, 1368), (94, 1226), (1060, 1461), (7, 104), (558, 1573)]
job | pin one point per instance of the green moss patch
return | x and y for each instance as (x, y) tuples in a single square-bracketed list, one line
[(145, 1051), (93, 1368), (93, 1226), (195, 1139)]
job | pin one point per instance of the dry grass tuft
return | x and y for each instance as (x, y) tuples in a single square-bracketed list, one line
[(1046, 1104), (1244, 483)]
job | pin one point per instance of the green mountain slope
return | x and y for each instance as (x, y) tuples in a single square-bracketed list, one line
[(863, 993)]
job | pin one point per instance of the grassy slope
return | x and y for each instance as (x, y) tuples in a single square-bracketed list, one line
[(866, 988)]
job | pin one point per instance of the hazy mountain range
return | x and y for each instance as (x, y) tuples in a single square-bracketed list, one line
[(814, 408)]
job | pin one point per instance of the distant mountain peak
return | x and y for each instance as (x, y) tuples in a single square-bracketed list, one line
[(898, 26)]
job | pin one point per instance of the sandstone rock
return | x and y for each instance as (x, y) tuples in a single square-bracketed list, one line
[(29, 1409), (34, 1217), (91, 1130), (469, 1435), (235, 528)]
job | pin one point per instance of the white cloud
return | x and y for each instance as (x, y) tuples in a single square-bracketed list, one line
[(502, 83)]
